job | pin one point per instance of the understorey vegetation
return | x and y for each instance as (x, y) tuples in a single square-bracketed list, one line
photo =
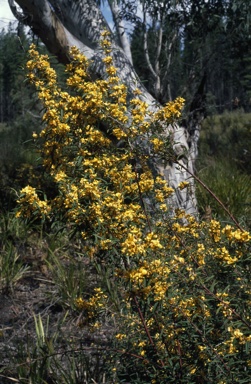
[(141, 293)]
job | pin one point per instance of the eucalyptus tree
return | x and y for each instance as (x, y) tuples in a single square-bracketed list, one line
[(177, 44), (62, 23)]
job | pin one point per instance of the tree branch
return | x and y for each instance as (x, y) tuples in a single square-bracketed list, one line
[(120, 29)]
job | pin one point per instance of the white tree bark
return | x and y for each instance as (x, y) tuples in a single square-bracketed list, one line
[(154, 71), (120, 29), (63, 23)]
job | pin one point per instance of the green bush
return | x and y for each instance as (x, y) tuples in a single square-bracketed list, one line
[(17, 159), (176, 290), (230, 185), (227, 136)]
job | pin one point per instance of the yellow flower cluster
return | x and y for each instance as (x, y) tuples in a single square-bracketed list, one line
[(183, 185), (93, 305), (157, 144), (179, 276), (120, 336), (151, 278), (236, 234), (171, 111), (31, 204), (236, 340), (103, 195), (215, 230)]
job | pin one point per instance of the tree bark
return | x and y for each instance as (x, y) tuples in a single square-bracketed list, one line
[(120, 29), (63, 23)]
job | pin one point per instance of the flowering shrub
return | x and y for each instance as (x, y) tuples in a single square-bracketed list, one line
[(183, 287)]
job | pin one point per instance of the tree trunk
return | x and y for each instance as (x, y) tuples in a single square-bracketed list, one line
[(63, 23), (120, 29)]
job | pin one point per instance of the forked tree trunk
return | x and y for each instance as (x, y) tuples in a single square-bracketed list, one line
[(63, 23)]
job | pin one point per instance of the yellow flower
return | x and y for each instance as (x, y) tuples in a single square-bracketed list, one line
[(105, 33), (157, 144), (107, 60), (183, 185), (238, 235), (120, 336), (215, 230), (119, 133)]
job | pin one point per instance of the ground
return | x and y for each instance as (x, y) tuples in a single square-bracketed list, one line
[(37, 294)]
